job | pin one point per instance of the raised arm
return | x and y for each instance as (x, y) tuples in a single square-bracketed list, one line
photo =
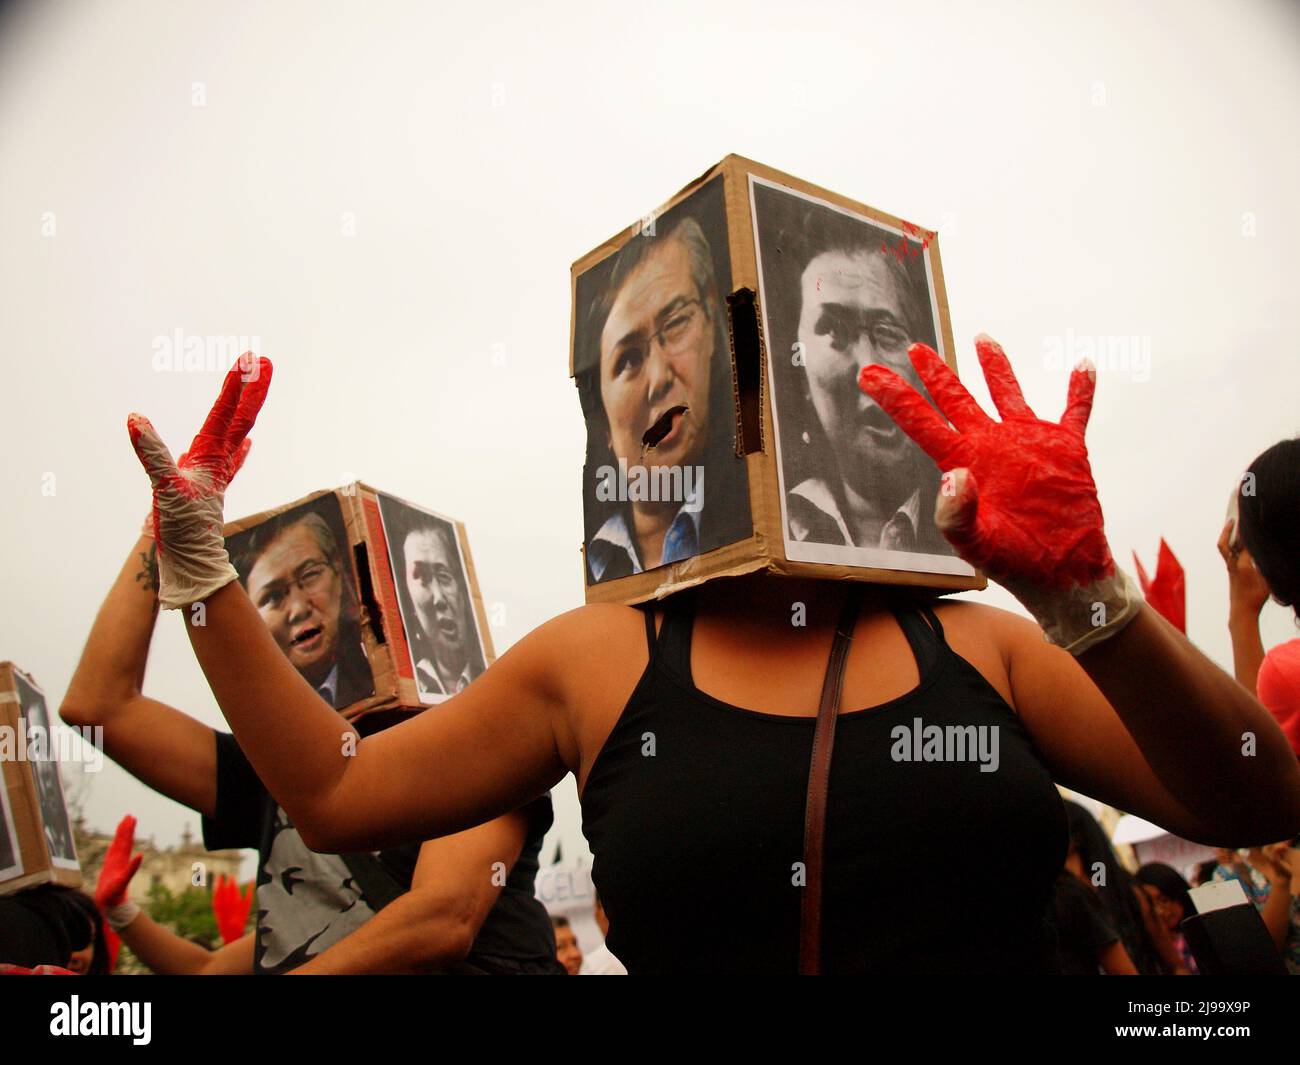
[(483, 753), (1018, 500), (156, 743), (161, 949), (1247, 594), (433, 926)]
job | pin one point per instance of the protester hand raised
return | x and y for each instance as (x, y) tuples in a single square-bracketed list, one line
[(1018, 499), (119, 866), (188, 496)]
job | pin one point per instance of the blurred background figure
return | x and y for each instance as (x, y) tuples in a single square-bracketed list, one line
[(601, 962), (1148, 948), (567, 952), (1170, 895), (1270, 876), (1261, 548)]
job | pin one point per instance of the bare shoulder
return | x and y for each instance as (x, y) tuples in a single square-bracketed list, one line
[(597, 628), (990, 639), (587, 661)]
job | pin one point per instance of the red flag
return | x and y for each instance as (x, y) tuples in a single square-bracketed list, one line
[(1167, 591)]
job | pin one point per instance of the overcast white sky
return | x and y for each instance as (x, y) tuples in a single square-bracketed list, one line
[(1094, 169)]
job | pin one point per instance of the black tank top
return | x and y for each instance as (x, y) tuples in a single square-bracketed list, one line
[(694, 812)]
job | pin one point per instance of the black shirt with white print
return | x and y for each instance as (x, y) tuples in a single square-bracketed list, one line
[(307, 902)]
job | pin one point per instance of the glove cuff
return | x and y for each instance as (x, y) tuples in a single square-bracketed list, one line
[(121, 915), (1085, 615), (179, 588)]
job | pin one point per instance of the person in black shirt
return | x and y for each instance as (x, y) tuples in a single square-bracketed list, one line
[(1118, 706), (463, 902)]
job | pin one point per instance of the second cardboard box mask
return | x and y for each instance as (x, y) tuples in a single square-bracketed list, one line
[(374, 600), (716, 346)]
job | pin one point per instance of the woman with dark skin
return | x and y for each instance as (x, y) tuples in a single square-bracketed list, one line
[(1137, 717)]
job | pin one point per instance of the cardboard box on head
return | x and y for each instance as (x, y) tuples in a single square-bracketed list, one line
[(716, 346), (374, 600), (36, 841)]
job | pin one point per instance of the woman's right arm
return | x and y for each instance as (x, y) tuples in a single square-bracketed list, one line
[(501, 742)]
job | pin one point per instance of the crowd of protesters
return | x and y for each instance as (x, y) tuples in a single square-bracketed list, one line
[(436, 905)]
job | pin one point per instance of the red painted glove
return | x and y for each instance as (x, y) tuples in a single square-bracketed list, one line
[(231, 908), (1017, 499), (241, 453), (119, 866), (1167, 592), (188, 498)]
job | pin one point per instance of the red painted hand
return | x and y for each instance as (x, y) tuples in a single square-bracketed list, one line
[(188, 496), (119, 866), (1019, 501), (231, 908)]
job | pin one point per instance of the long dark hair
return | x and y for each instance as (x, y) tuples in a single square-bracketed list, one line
[(1116, 892), (73, 922), (1169, 882), (1268, 505), (91, 929)]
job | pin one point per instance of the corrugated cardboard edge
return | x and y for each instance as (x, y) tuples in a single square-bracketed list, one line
[(19, 782), (476, 594), (609, 247)]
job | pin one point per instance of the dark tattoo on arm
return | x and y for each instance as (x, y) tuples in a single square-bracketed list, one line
[(149, 560)]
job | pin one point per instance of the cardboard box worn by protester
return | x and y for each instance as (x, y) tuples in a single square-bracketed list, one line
[(373, 599), (716, 345)]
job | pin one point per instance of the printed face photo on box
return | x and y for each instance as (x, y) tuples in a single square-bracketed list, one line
[(652, 361), (433, 594), (299, 574), (49, 788), (839, 292)]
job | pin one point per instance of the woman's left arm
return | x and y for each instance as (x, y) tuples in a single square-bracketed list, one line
[(1146, 723), (1018, 501)]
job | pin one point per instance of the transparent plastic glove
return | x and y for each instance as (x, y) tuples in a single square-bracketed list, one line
[(1017, 499), (146, 529), (188, 497)]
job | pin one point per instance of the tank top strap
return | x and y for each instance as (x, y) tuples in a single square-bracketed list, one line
[(648, 609), (922, 629), (673, 648)]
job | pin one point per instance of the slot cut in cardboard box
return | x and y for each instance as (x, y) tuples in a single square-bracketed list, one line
[(36, 838), (373, 599), (716, 345)]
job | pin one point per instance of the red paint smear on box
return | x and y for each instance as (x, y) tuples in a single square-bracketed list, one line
[(382, 567)]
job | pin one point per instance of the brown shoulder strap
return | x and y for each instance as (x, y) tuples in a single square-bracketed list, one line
[(819, 773)]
